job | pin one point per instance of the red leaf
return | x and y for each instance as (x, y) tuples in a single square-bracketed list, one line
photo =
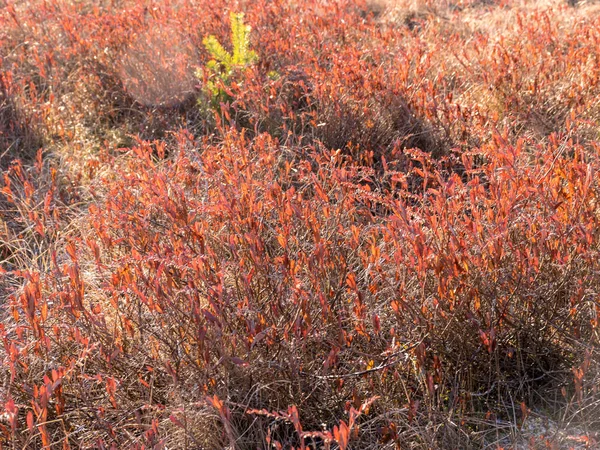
[(238, 361), (30, 420), (176, 421)]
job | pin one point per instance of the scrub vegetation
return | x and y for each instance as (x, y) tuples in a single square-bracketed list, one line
[(284, 224)]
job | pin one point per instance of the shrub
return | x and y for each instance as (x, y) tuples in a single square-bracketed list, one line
[(383, 248), (223, 68)]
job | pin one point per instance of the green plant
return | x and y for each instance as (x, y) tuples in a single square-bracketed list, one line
[(223, 67)]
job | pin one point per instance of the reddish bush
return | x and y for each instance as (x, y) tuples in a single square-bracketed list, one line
[(388, 238)]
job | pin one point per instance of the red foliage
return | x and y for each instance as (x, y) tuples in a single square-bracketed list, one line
[(393, 226)]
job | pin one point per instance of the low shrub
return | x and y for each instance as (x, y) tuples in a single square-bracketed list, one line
[(374, 244)]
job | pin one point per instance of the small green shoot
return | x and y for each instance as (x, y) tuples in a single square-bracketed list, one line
[(224, 66)]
